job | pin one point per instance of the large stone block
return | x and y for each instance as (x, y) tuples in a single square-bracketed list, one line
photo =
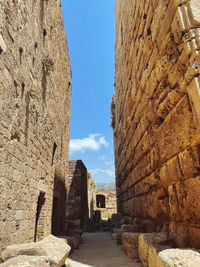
[(183, 201), (179, 234), (32, 249), (146, 246), (178, 257), (57, 249), (194, 8), (157, 116), (130, 244), (194, 237), (194, 95), (73, 241), (30, 261), (54, 248)]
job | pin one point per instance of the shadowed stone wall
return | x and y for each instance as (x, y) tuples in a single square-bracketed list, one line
[(156, 115), (91, 195), (77, 196), (35, 106)]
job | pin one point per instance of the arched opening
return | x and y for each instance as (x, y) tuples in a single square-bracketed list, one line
[(101, 201)]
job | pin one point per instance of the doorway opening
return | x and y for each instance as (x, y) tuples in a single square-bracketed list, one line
[(101, 201)]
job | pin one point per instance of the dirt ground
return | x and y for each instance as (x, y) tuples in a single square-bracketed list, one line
[(99, 250)]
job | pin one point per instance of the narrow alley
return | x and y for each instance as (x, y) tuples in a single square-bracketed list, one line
[(99, 250)]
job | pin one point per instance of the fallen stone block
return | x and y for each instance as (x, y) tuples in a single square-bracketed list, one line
[(149, 246), (119, 233), (130, 243), (57, 249), (73, 241), (124, 229), (32, 249), (178, 257), (29, 261), (127, 227)]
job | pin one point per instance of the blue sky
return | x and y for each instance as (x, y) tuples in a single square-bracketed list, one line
[(90, 29)]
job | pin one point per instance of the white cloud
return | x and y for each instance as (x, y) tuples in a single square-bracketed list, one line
[(109, 163), (103, 157), (92, 142), (103, 173)]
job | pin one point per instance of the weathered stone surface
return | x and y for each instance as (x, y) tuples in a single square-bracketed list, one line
[(155, 252), (155, 115), (32, 249), (179, 257), (2, 44), (73, 241), (35, 108), (149, 245), (54, 248), (57, 249), (77, 202), (127, 227), (119, 233), (30, 261), (110, 202), (130, 244)]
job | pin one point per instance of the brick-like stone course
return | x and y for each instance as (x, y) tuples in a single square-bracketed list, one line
[(155, 115), (77, 196), (81, 197), (35, 107), (91, 195), (110, 202)]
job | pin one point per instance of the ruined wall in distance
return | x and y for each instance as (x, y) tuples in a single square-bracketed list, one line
[(156, 115), (110, 202), (91, 195), (77, 195), (35, 106)]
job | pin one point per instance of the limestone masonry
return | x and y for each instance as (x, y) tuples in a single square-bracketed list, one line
[(156, 116), (106, 202), (84, 199), (35, 106), (77, 197)]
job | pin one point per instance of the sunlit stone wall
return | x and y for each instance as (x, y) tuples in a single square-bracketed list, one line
[(156, 115), (35, 106)]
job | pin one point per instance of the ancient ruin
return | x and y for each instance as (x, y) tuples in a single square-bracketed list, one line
[(77, 198), (47, 201), (35, 88), (86, 204), (155, 117), (106, 202)]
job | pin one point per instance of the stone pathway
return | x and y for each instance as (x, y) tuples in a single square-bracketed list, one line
[(99, 250)]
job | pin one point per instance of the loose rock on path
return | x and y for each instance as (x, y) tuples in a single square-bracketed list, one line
[(99, 250)]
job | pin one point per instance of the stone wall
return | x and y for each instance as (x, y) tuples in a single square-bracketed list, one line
[(35, 104), (91, 195), (82, 197), (77, 195), (110, 202), (155, 115)]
